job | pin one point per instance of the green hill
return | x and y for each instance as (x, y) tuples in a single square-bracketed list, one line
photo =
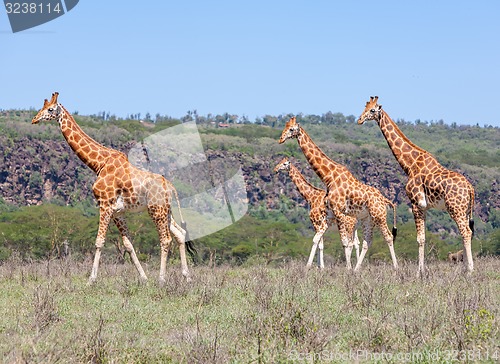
[(42, 183)]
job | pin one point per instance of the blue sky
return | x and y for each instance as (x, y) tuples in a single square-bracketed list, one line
[(425, 60)]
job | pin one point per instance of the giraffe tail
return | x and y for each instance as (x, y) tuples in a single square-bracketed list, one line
[(471, 210), (394, 228), (179, 206), (189, 243)]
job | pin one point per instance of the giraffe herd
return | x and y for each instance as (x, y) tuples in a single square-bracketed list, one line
[(121, 187)]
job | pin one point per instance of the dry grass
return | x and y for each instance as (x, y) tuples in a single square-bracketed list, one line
[(248, 314)]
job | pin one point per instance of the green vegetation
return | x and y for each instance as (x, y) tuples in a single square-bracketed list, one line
[(250, 299), (38, 168), (248, 314)]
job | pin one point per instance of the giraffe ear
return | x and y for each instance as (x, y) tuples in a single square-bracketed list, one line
[(379, 107)]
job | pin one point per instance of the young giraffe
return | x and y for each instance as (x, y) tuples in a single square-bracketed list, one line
[(121, 187), (346, 196), (315, 197), (429, 183)]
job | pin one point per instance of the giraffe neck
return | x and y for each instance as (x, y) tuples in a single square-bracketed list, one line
[(409, 156), (306, 189), (93, 154), (324, 167)]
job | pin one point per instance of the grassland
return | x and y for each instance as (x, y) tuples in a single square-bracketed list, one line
[(248, 314)]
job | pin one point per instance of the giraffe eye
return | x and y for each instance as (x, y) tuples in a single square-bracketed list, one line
[(372, 111), (50, 109)]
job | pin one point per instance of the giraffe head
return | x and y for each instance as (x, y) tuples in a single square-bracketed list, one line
[(284, 165), (50, 110), (292, 129), (372, 111)]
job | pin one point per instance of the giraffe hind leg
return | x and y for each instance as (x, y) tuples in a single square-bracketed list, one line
[(180, 237), (389, 239), (467, 233), (160, 216), (367, 241), (471, 227), (191, 249), (129, 248), (353, 241)]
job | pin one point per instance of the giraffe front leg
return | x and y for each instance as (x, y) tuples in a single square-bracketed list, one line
[(104, 219), (129, 248), (317, 238), (419, 216), (321, 262), (356, 244), (353, 244), (348, 254), (350, 224), (346, 240)]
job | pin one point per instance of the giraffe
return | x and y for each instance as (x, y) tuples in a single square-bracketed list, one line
[(346, 196), (315, 197), (121, 187), (429, 183)]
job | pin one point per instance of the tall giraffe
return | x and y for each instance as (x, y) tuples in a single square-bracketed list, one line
[(429, 183), (121, 187), (315, 197), (346, 196)]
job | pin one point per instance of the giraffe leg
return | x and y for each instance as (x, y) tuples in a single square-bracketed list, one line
[(129, 248), (356, 244), (389, 239), (348, 251), (104, 219), (317, 238), (367, 241), (159, 214), (346, 240), (348, 224), (463, 226), (419, 216), (321, 262), (180, 236)]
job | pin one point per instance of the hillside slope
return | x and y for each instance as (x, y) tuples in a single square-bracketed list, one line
[(37, 166)]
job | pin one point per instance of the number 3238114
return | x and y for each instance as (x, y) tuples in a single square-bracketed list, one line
[(32, 8)]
